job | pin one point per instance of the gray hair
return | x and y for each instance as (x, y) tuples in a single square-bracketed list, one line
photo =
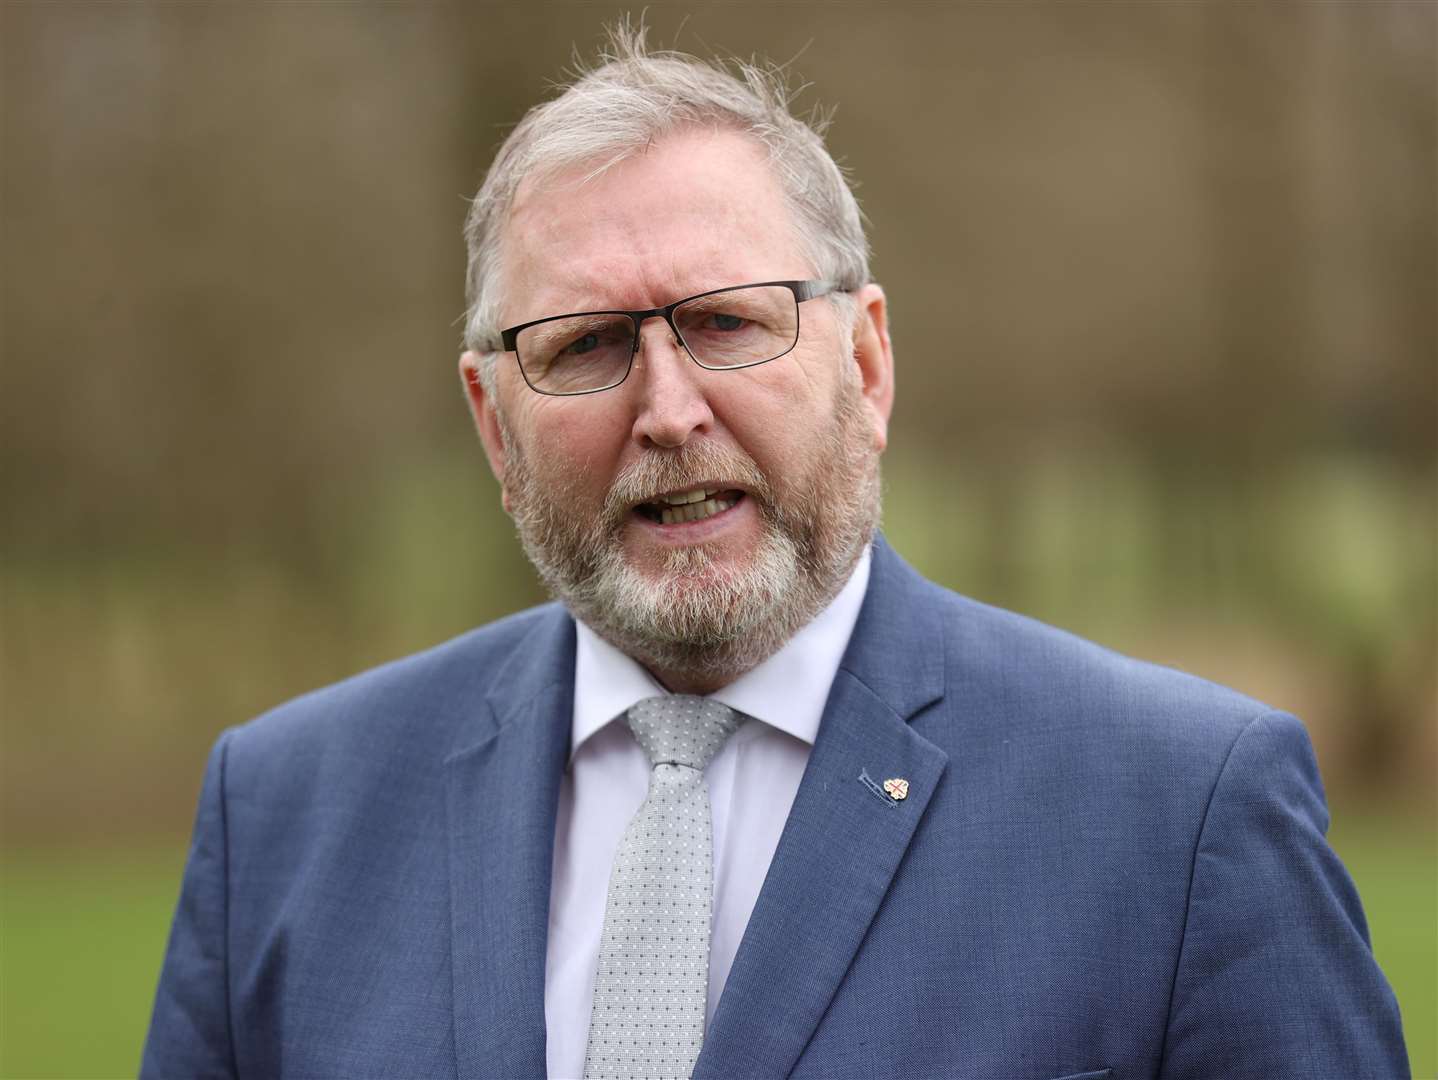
[(630, 98)]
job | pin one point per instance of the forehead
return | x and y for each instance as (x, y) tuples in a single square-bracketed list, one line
[(696, 210)]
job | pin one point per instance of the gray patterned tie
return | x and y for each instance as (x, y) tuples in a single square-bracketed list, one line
[(653, 977)]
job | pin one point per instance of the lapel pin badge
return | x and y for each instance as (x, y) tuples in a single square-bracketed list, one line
[(897, 788)]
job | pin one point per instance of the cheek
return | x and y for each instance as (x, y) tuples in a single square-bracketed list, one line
[(769, 440), (578, 448), (777, 434), (781, 421)]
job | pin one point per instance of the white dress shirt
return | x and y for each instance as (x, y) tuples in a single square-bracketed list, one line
[(752, 783)]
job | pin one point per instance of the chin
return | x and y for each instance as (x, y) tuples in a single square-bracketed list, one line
[(693, 597), (693, 567)]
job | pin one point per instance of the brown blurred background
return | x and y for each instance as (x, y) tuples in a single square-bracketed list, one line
[(1162, 279)]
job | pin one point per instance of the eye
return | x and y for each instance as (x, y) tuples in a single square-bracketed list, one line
[(721, 321), (581, 345)]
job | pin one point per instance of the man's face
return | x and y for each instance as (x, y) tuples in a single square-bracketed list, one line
[(790, 446)]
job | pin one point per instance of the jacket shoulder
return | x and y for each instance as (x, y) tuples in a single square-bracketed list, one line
[(1061, 682)]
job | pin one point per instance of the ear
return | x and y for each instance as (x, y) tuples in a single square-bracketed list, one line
[(486, 417), (874, 357)]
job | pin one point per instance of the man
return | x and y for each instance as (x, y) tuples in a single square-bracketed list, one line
[(753, 799)]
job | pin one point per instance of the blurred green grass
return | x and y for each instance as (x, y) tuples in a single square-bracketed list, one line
[(1394, 860), (82, 934)]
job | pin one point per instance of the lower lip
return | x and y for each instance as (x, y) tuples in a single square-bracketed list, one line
[(693, 532)]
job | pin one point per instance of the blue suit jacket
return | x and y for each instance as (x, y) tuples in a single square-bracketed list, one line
[(1102, 868)]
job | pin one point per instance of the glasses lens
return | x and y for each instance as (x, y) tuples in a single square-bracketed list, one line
[(576, 354), (739, 326)]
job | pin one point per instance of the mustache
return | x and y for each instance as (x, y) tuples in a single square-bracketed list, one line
[(689, 465)]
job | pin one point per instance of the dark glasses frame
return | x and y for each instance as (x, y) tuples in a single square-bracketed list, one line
[(802, 290)]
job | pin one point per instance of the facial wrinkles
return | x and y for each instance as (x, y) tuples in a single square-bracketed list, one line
[(588, 248)]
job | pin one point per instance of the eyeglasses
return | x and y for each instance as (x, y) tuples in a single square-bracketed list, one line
[(590, 351)]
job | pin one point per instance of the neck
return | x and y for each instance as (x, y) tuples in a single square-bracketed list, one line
[(693, 682)]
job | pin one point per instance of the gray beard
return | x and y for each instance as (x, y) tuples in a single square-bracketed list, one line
[(700, 621)]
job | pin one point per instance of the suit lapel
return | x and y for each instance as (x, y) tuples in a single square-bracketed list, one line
[(501, 793), (843, 842)]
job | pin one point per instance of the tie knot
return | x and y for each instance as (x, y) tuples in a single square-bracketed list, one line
[(681, 729)]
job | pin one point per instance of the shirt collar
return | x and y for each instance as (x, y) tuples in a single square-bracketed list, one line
[(787, 691)]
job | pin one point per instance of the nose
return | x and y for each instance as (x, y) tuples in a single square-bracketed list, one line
[(671, 406)]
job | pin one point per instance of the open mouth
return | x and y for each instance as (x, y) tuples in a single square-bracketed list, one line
[(685, 506)]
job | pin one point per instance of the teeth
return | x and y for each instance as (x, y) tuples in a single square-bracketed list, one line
[(694, 511), (684, 498)]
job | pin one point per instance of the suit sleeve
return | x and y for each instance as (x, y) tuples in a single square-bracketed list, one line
[(1276, 977), (190, 1027)]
